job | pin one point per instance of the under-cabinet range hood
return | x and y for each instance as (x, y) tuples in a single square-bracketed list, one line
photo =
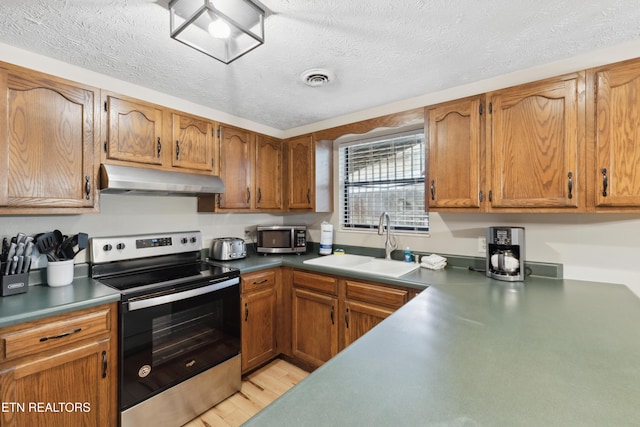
[(115, 179)]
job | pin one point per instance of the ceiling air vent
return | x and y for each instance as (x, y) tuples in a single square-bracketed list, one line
[(316, 77)]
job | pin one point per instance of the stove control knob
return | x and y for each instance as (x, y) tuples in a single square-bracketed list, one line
[(120, 246), (107, 247), (184, 240), (193, 240)]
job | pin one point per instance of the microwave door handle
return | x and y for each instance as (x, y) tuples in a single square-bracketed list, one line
[(165, 299)]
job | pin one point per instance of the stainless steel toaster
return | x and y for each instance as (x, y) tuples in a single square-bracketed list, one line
[(228, 248)]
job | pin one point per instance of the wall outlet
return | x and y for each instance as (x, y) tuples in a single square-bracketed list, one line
[(482, 244)]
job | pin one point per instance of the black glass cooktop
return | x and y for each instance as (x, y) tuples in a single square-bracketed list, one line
[(182, 274)]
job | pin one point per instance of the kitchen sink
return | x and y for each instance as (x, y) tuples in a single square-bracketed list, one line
[(365, 264), (339, 261)]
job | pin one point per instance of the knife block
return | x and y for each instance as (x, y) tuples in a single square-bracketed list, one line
[(14, 284)]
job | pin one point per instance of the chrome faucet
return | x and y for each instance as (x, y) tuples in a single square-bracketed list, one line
[(390, 243)]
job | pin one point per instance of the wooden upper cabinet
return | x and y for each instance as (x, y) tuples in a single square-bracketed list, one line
[(301, 173), (268, 173), (454, 132), (192, 142), (134, 131), (49, 128), (616, 169), (236, 163), (536, 141)]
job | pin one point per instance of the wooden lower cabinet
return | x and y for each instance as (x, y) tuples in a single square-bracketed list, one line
[(366, 305), (60, 371), (259, 301), (314, 329), (329, 313)]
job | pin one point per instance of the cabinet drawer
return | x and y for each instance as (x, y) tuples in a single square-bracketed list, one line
[(376, 294), (316, 282), (258, 280), (61, 331)]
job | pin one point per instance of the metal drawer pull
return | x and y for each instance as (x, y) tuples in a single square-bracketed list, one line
[(346, 317), (570, 176), (246, 312), (432, 188), (55, 337), (332, 319), (260, 282)]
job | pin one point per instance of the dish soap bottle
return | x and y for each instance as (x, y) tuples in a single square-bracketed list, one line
[(407, 254)]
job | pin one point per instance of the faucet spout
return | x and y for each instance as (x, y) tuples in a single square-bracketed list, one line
[(390, 242)]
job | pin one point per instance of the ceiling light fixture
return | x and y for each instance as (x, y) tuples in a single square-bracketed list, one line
[(223, 29)]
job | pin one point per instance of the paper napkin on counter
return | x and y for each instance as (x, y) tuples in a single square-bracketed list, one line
[(433, 262)]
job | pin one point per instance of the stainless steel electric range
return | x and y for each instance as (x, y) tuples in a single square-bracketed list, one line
[(179, 325)]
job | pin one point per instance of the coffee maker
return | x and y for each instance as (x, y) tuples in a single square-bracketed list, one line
[(505, 253)]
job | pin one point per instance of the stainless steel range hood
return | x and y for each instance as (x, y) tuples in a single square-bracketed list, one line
[(115, 179)]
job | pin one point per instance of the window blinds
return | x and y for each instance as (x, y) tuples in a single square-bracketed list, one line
[(384, 174)]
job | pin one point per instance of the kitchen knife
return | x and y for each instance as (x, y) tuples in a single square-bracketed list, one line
[(27, 257), (5, 249), (10, 254), (19, 264), (14, 264)]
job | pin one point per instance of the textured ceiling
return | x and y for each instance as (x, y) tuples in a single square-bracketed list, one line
[(381, 51)]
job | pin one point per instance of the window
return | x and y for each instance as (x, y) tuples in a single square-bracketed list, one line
[(384, 174)]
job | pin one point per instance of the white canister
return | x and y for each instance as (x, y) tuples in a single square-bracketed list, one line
[(60, 273), (326, 238)]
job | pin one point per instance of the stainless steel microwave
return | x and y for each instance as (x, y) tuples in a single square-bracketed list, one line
[(281, 239)]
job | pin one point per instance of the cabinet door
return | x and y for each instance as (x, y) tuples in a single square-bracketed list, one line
[(134, 131), (47, 149), (258, 327), (315, 327), (236, 149), (361, 317), (192, 142), (455, 135), (535, 134), (75, 387), (300, 173), (617, 134), (268, 173)]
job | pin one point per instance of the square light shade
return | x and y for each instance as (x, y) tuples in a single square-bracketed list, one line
[(223, 29)]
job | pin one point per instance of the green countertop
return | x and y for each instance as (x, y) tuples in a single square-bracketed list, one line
[(43, 301), (471, 351)]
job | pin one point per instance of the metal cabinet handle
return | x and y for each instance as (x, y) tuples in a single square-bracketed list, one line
[(159, 147), (260, 282), (346, 317), (432, 188), (491, 195), (309, 195), (55, 337), (248, 194), (87, 187), (481, 196), (246, 311), (177, 149), (605, 182), (104, 364), (570, 176), (259, 195), (332, 315)]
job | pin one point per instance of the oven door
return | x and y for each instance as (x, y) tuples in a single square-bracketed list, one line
[(167, 338)]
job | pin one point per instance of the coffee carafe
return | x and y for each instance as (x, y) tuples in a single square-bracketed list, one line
[(505, 253)]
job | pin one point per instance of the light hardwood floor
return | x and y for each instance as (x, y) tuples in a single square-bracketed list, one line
[(258, 390)]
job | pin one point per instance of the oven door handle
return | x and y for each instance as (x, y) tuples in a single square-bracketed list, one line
[(165, 299)]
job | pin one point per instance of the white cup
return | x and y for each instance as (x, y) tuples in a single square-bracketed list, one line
[(60, 273)]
